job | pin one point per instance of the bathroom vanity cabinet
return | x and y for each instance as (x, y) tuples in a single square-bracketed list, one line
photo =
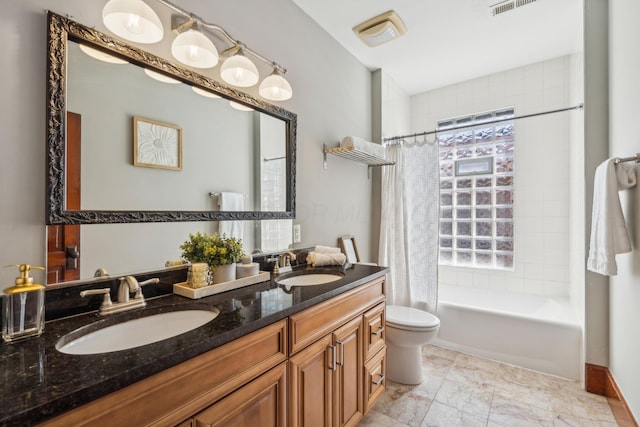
[(252, 368), (336, 348), (323, 365)]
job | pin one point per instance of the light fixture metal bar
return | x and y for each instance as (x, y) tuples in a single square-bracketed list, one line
[(209, 26)]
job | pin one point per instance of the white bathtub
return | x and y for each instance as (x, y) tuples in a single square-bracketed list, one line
[(530, 331)]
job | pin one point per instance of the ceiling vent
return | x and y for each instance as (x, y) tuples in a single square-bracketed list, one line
[(381, 29), (498, 7)]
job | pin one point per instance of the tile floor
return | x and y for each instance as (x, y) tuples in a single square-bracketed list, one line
[(463, 390)]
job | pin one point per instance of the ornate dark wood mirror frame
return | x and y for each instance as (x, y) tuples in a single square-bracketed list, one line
[(61, 30)]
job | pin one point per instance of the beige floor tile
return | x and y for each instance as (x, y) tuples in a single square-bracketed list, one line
[(473, 399), (409, 409), (378, 419), (564, 420), (464, 390), (441, 415)]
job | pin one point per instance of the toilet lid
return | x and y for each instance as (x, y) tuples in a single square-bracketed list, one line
[(410, 317)]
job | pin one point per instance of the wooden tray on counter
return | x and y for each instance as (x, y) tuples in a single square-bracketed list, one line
[(185, 291)]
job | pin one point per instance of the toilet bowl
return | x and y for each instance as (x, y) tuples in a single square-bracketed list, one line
[(407, 330)]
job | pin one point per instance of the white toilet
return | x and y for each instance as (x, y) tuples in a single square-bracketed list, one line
[(408, 329)]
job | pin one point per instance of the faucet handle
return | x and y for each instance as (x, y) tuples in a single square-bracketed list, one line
[(106, 301), (276, 264), (149, 282), (138, 294)]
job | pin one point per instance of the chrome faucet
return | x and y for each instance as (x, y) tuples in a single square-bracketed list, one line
[(128, 284)]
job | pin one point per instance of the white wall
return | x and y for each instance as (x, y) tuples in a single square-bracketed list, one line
[(391, 117), (332, 97), (624, 290), (596, 142), (541, 191), (576, 187)]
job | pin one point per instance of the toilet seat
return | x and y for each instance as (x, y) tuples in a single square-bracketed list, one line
[(410, 319)]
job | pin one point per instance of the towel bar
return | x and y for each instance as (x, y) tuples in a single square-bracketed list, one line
[(212, 194), (635, 158)]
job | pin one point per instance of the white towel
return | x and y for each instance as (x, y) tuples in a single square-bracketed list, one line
[(319, 260), (231, 202), (326, 250), (609, 234), (362, 145)]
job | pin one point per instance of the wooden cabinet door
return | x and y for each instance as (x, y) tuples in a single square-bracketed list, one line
[(348, 389), (262, 402), (311, 384)]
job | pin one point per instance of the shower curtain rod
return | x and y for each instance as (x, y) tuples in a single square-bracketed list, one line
[(526, 116)]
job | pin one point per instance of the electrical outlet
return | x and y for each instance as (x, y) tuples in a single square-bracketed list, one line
[(297, 235)]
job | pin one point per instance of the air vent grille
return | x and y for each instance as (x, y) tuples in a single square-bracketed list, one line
[(500, 7)]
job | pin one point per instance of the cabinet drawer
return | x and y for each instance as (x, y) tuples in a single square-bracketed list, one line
[(262, 402), (179, 392), (374, 378), (313, 323), (374, 330)]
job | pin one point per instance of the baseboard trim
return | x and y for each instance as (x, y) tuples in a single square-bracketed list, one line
[(598, 380)]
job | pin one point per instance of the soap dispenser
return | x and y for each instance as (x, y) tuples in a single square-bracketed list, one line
[(23, 312)]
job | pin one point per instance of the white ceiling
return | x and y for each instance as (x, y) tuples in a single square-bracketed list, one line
[(450, 41)]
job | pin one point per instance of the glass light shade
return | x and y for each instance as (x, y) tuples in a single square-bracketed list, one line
[(132, 20), (239, 71), (100, 55), (161, 77), (275, 87), (194, 49), (239, 106), (204, 93)]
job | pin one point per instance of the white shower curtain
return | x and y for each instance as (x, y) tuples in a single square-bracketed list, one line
[(409, 225)]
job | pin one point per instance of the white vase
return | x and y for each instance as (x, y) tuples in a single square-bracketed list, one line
[(224, 273)]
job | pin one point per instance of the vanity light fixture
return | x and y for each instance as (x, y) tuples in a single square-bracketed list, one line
[(239, 70), (132, 20), (194, 49), (275, 87), (161, 77), (135, 21), (204, 93), (100, 55)]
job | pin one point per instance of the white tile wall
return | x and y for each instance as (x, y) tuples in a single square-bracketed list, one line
[(542, 181)]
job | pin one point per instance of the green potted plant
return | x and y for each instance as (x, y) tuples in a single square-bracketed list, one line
[(220, 252)]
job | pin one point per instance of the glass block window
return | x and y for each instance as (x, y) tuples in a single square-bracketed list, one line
[(476, 190)]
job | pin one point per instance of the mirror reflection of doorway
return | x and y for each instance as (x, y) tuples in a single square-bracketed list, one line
[(271, 182), (63, 241)]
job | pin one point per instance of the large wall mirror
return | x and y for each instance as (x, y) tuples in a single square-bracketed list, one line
[(156, 151), (127, 148)]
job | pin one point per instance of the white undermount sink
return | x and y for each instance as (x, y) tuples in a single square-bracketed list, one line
[(309, 279), (137, 332)]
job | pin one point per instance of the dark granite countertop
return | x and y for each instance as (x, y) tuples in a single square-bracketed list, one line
[(39, 382)]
